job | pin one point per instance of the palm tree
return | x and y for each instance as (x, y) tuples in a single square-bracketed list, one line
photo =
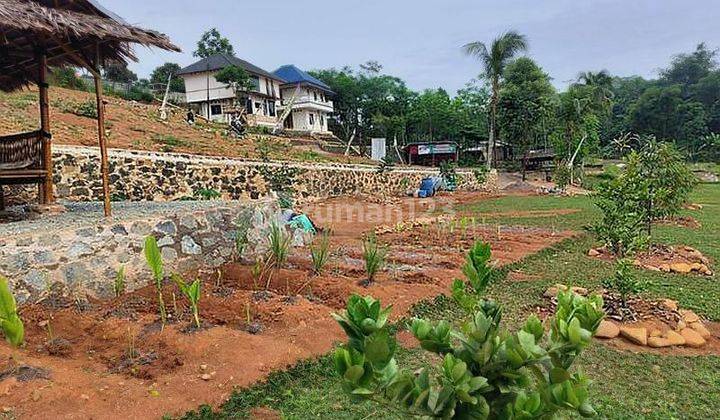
[(599, 85), (502, 50)]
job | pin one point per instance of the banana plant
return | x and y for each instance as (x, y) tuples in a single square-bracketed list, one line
[(10, 322), (485, 371), (192, 293), (154, 261)]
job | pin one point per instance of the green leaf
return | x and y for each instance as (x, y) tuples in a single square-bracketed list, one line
[(10, 323), (154, 259)]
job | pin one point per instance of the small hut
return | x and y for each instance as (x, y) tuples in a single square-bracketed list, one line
[(37, 34)]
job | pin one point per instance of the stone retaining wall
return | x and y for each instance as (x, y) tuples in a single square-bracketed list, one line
[(153, 176), (84, 259)]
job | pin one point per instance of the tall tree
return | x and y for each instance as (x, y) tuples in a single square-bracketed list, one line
[(688, 69), (118, 72), (212, 43), (526, 106), (599, 89), (167, 71), (236, 79), (494, 60)]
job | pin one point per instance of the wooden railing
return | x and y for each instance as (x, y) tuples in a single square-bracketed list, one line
[(21, 151)]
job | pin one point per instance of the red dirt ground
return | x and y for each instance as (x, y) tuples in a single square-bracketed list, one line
[(112, 361)]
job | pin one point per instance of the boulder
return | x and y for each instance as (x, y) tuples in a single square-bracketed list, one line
[(656, 333), (637, 335), (579, 290), (658, 342), (689, 316), (593, 252), (674, 338), (692, 338), (670, 304), (664, 267), (701, 329), (607, 330), (682, 268)]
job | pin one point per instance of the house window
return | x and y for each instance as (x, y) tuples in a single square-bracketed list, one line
[(258, 106), (215, 109), (255, 83), (322, 120), (271, 108), (312, 119), (315, 95)]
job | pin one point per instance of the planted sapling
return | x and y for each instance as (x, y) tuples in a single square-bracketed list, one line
[(374, 256), (119, 286), (279, 245), (154, 261), (320, 254), (192, 293), (10, 322)]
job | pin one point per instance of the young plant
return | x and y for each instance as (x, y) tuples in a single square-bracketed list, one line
[(374, 256), (192, 293), (10, 322), (320, 254), (243, 223), (279, 245), (478, 273), (483, 371), (119, 285), (154, 261), (624, 281)]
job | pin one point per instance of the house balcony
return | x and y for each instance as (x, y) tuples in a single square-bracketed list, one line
[(308, 102)]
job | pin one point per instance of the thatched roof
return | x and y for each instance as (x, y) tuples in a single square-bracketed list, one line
[(82, 25)]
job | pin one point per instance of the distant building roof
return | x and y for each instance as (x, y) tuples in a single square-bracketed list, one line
[(220, 61), (293, 75)]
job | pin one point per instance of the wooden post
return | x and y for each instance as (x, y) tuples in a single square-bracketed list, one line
[(103, 143), (46, 189)]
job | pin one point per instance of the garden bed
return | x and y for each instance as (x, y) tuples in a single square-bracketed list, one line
[(670, 259), (110, 358)]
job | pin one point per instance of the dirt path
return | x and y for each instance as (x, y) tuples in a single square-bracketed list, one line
[(112, 361)]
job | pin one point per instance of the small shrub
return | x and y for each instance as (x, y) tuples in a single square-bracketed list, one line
[(67, 77), (119, 285), (483, 371), (374, 256), (279, 245), (561, 175), (478, 273), (207, 194), (480, 174), (10, 322), (154, 261), (385, 166), (447, 172), (243, 224), (624, 281), (192, 293), (320, 254)]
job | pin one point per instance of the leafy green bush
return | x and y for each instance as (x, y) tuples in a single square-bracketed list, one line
[(447, 172), (561, 175), (484, 372), (478, 274), (207, 194), (10, 322), (620, 227), (154, 261), (480, 173), (374, 256), (67, 77), (320, 254), (623, 281)]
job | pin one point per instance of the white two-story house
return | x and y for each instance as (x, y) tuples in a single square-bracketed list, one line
[(216, 101), (309, 99)]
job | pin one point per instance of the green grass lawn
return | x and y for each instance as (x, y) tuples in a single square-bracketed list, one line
[(625, 385)]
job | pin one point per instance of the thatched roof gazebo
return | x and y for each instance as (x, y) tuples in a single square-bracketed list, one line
[(36, 34)]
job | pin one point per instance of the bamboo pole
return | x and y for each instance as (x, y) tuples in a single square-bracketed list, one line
[(103, 144), (46, 189)]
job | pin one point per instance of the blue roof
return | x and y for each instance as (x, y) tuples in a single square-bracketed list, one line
[(293, 75)]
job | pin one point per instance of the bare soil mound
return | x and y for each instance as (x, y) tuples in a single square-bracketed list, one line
[(670, 259)]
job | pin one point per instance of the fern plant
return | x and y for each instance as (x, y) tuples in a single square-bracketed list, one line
[(320, 254), (374, 256), (192, 293), (10, 322), (154, 261)]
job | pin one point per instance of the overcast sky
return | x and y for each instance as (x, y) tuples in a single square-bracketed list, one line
[(419, 41)]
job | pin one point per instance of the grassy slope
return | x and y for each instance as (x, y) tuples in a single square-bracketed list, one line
[(626, 385)]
